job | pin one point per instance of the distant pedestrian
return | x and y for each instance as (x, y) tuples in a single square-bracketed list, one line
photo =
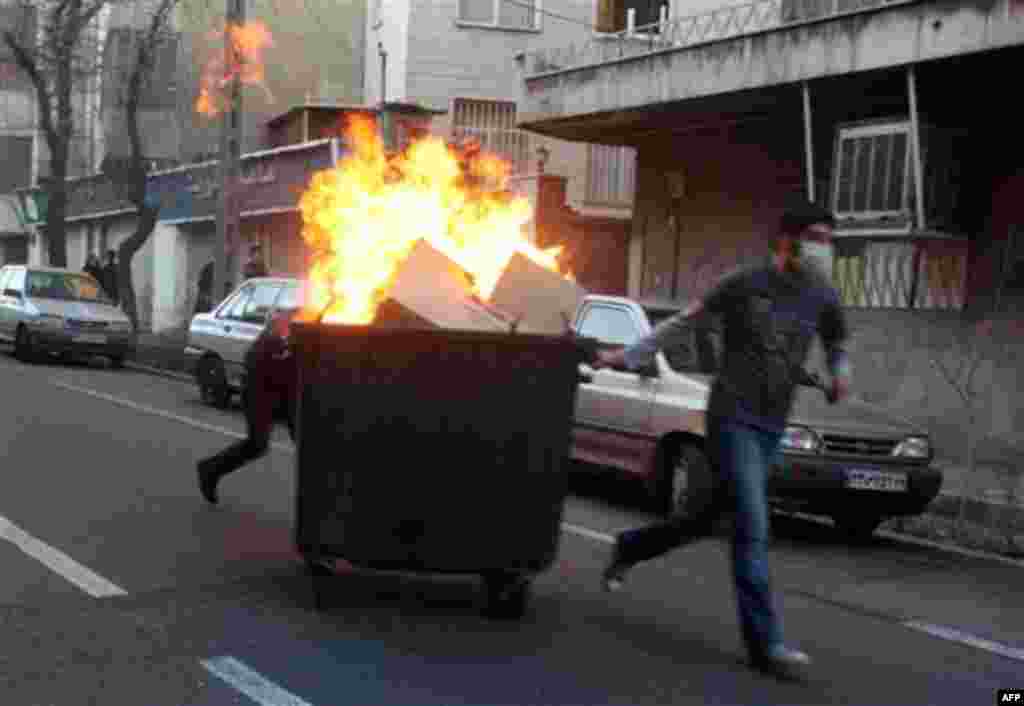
[(770, 314), (204, 298), (255, 267), (94, 269), (109, 279), (270, 394)]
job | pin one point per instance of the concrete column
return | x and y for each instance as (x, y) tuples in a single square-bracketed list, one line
[(170, 277)]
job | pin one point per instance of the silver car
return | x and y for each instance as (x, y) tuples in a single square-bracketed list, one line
[(51, 310), (219, 340)]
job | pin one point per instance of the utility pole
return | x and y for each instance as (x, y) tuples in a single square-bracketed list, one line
[(226, 245)]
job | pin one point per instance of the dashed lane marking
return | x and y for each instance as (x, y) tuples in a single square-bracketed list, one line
[(59, 562), (251, 683)]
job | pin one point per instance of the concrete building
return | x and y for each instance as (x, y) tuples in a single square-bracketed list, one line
[(732, 110), (464, 57)]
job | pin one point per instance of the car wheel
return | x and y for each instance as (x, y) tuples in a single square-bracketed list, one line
[(687, 471), (117, 362), (857, 528), (213, 382), (507, 596), (24, 347)]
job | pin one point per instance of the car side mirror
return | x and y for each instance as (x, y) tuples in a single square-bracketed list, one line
[(12, 293)]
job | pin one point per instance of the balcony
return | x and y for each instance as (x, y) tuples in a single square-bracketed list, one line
[(747, 48)]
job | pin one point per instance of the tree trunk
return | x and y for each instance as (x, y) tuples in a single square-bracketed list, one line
[(125, 253), (56, 214), (972, 445)]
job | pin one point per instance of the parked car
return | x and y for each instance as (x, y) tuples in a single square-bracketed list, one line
[(218, 340), (51, 310), (852, 461)]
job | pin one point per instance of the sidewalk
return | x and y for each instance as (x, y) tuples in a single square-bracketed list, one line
[(989, 503)]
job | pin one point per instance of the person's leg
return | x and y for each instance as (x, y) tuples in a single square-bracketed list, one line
[(705, 502), (259, 415), (749, 454)]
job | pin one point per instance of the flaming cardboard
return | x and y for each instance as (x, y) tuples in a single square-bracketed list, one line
[(543, 298), (430, 288)]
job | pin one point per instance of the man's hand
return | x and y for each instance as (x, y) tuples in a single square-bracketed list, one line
[(610, 359)]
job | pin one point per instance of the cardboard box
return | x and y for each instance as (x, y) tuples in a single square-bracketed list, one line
[(432, 290), (542, 298)]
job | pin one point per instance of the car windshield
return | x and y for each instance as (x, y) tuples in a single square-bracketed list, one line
[(697, 353), (64, 286)]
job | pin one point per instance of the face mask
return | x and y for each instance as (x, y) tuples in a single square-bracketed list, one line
[(818, 255)]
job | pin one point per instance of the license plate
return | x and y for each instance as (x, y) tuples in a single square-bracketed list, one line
[(862, 479), (90, 338)]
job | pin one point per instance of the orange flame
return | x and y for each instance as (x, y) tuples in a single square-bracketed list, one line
[(363, 218), (248, 42)]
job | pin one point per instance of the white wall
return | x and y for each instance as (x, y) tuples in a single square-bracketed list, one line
[(387, 22)]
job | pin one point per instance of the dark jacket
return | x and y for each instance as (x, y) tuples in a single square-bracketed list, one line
[(109, 281)]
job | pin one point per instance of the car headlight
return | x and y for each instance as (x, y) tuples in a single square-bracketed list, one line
[(51, 320), (800, 439), (913, 447)]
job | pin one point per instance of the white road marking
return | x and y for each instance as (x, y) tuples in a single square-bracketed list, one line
[(181, 419), (967, 639), (59, 562), (251, 683)]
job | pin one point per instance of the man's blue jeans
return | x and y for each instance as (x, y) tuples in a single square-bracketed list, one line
[(740, 456)]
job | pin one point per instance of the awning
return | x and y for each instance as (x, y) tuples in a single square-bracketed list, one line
[(10, 224)]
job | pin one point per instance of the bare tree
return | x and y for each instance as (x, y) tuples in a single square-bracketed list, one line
[(129, 174), (58, 59), (986, 339)]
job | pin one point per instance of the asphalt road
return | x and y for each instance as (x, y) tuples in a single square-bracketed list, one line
[(121, 586)]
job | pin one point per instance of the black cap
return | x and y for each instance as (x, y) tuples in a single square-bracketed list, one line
[(800, 214)]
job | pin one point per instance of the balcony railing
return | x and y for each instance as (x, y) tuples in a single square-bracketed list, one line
[(688, 30)]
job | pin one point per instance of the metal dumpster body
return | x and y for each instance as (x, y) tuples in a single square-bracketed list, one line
[(434, 450)]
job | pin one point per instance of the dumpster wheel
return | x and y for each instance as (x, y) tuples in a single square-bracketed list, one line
[(507, 595)]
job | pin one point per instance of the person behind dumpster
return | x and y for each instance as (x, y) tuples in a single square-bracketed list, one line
[(255, 267), (770, 314), (271, 378), (109, 279)]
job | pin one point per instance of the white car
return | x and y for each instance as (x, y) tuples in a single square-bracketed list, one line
[(219, 340), (46, 310)]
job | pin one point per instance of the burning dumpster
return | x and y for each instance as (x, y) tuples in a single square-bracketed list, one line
[(434, 450)]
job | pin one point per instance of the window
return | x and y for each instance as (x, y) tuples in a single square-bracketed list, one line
[(259, 305), (64, 287), (493, 125), (870, 174), (4, 274), (613, 15), (16, 280), (611, 175), (234, 307), (609, 325), (502, 14)]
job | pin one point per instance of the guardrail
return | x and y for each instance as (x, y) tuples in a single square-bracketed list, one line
[(673, 33)]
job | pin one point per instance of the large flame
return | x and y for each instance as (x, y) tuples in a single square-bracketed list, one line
[(363, 218), (247, 41)]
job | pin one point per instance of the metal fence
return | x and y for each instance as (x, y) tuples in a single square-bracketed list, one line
[(688, 30)]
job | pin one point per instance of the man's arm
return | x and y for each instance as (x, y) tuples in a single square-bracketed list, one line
[(674, 328)]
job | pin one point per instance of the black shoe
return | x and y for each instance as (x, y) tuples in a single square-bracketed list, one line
[(614, 576), (207, 482), (782, 662)]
